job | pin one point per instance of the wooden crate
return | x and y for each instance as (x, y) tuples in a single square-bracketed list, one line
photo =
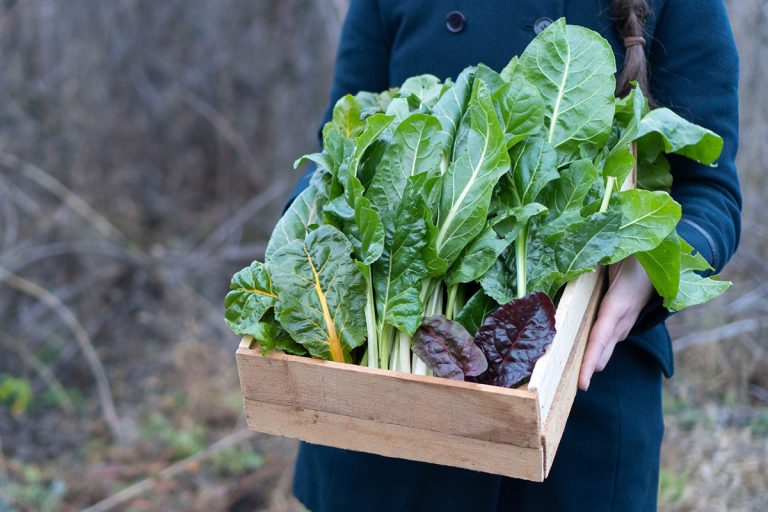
[(511, 432)]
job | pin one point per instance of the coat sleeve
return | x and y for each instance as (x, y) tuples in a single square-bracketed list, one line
[(694, 70), (362, 63)]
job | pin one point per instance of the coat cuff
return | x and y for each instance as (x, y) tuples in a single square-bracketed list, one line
[(701, 241)]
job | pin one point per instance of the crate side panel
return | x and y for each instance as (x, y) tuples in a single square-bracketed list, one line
[(395, 441), (548, 372), (431, 404), (566, 391)]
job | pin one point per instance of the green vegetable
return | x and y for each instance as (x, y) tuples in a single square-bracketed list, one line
[(320, 288), (251, 296), (453, 200), (573, 68)]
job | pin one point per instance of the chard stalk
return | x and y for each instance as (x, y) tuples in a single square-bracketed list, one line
[(404, 352), (385, 346), (450, 312), (394, 358), (608, 191), (521, 253), (419, 366), (370, 322), (444, 164)]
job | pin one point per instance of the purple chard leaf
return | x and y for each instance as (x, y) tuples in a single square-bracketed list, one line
[(514, 337), (448, 349)]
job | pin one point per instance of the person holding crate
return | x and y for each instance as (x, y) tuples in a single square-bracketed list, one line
[(682, 54)]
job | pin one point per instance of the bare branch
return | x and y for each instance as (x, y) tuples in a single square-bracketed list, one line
[(83, 340), (74, 201), (246, 212), (170, 472), (10, 225), (722, 333)]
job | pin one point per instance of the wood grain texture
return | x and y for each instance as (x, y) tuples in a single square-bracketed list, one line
[(395, 441), (547, 374), (568, 385), (477, 411)]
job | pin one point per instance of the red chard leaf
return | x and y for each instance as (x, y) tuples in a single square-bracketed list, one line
[(448, 349), (514, 337)]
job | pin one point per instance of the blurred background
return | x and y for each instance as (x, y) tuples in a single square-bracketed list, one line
[(145, 154)]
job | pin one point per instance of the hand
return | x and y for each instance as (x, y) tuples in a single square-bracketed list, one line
[(629, 290)]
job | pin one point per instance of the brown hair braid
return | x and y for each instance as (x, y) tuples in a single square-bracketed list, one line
[(630, 17)]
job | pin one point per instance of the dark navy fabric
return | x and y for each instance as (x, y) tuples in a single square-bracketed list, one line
[(608, 460), (694, 71)]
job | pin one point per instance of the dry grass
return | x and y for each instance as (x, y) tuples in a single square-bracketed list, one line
[(145, 150)]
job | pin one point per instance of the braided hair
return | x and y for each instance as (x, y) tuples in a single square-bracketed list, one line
[(630, 17)]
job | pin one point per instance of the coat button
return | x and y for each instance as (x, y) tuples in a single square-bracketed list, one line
[(455, 21), (541, 24)]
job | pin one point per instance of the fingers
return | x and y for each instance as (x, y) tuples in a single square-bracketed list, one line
[(600, 340), (613, 323), (628, 292)]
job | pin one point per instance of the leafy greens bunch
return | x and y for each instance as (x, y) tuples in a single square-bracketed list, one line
[(434, 203)]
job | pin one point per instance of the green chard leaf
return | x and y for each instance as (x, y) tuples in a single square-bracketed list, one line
[(677, 135), (347, 117), (542, 271), (499, 281), (399, 108), (569, 191), (398, 274), (534, 165), (629, 113), (365, 229), (694, 289), (490, 77), (573, 68), (322, 160), (479, 160), (520, 109), (510, 70), (653, 173), (304, 212), (662, 264), (427, 88), (498, 234), (322, 294), (647, 219), (250, 297), (474, 312), (372, 103), (508, 223), (619, 164), (479, 256), (271, 336), (374, 127), (581, 246), (414, 149), (451, 106), (620, 161)]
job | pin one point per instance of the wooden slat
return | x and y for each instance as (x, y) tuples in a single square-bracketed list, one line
[(395, 441), (476, 411), (547, 374), (566, 390)]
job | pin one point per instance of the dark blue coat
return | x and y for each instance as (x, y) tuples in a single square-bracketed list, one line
[(693, 70)]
